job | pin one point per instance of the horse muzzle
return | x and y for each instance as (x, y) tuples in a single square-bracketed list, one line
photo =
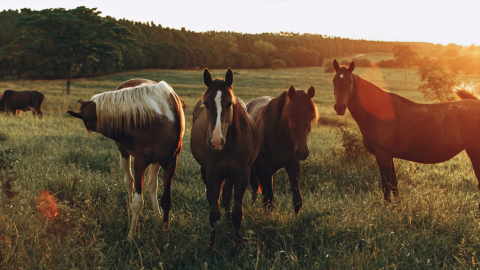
[(340, 108), (216, 144), (302, 154)]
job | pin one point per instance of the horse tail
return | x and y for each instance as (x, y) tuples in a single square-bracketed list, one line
[(465, 92)]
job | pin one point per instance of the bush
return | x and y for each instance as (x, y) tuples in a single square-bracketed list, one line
[(352, 142), (7, 163), (362, 62), (278, 63)]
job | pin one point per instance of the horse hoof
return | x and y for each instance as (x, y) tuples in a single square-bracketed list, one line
[(165, 227), (130, 238)]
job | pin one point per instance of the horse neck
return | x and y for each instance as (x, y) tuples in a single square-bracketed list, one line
[(239, 121), (365, 99)]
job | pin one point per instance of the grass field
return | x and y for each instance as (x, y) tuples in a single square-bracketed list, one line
[(344, 223)]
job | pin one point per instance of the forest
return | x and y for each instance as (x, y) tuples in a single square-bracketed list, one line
[(79, 43), (59, 43)]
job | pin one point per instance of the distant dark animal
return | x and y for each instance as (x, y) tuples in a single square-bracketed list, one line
[(16, 101), (284, 124), (147, 122), (225, 143), (395, 127)]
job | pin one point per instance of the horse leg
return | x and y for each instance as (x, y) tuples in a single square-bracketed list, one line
[(214, 183), (166, 200), (241, 183), (128, 180), (204, 178), (254, 180), (227, 199), (385, 165), (293, 172), (393, 180), (475, 159), (153, 186), (267, 190), (139, 166)]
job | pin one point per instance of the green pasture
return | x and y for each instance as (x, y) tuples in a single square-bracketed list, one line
[(344, 223)]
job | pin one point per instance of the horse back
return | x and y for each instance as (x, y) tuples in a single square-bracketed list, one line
[(255, 107), (134, 82)]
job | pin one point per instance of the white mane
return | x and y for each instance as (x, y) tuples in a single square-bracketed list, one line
[(133, 107)]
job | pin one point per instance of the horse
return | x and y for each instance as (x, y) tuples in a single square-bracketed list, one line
[(16, 101), (284, 124), (224, 142), (146, 120), (395, 127)]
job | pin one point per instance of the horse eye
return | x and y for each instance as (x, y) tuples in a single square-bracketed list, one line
[(205, 104), (229, 104)]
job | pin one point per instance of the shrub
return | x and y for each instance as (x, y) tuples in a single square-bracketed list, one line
[(7, 163), (352, 142)]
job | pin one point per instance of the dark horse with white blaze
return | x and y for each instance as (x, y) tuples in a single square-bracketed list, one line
[(284, 124), (146, 120), (16, 101), (395, 127), (224, 142)]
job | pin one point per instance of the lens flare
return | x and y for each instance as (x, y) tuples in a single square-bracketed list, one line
[(47, 205)]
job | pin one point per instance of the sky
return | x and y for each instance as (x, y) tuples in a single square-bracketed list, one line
[(437, 21)]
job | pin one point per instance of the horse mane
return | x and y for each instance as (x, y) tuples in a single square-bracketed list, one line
[(133, 107), (464, 92), (281, 106), (274, 108), (240, 114)]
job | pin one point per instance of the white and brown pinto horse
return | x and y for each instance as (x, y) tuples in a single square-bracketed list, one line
[(146, 120), (395, 127), (225, 143)]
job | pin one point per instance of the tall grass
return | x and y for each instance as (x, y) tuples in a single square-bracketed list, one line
[(344, 222)]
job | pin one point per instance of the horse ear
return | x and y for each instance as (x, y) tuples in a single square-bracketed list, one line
[(82, 101), (336, 66), (74, 114), (351, 67), (207, 77), (229, 77), (311, 92), (291, 92)]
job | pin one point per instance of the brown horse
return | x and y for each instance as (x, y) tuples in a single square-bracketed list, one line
[(16, 101), (224, 142), (147, 122), (284, 124), (395, 127)]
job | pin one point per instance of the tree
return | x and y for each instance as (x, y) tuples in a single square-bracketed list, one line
[(263, 47), (278, 63), (62, 42), (405, 56), (438, 81)]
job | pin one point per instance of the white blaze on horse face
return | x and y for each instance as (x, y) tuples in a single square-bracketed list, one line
[(341, 76), (217, 135)]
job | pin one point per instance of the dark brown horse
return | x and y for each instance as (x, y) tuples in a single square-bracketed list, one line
[(16, 101), (284, 124), (224, 142), (147, 122), (395, 127)]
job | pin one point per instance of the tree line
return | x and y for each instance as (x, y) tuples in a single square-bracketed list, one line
[(60, 43), (63, 44)]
